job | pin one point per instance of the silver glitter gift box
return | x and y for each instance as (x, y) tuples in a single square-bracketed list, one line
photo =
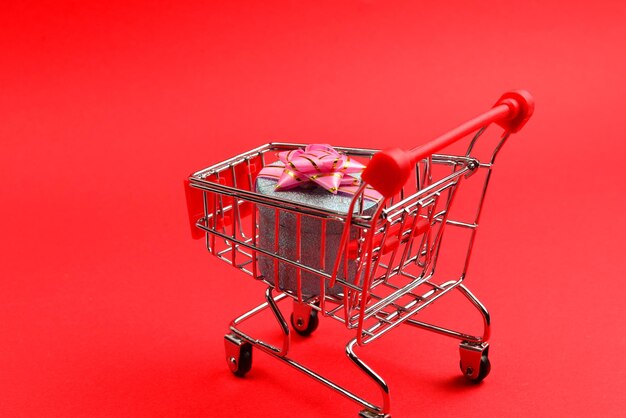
[(311, 237)]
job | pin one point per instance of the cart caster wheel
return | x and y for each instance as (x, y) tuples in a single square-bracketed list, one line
[(475, 364), (304, 319), (238, 355)]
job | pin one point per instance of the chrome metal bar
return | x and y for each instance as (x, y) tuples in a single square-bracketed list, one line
[(253, 152), (424, 193), (271, 303), (275, 202), (481, 308), (332, 385), (444, 331), (384, 388), (298, 243), (205, 206), (254, 234), (481, 201), (370, 311), (284, 204), (279, 354), (418, 307), (276, 247), (474, 139), (284, 327), (460, 224), (323, 263)]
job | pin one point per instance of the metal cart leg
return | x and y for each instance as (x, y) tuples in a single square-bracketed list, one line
[(473, 350), (481, 308), (475, 363), (271, 303), (239, 357), (384, 388)]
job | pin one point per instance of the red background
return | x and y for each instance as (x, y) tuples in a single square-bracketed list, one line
[(108, 308)]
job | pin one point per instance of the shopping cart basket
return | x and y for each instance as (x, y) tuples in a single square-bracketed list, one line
[(381, 270)]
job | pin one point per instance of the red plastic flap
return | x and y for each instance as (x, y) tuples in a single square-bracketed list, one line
[(195, 208), (242, 178)]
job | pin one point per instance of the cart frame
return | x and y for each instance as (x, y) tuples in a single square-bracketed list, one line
[(395, 249)]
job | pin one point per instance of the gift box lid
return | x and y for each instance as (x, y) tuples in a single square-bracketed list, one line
[(314, 196)]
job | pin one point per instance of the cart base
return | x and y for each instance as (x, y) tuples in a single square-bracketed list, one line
[(473, 350)]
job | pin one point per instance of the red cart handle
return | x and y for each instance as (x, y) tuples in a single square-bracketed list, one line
[(389, 169)]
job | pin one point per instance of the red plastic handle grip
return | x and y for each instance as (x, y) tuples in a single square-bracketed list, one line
[(389, 169)]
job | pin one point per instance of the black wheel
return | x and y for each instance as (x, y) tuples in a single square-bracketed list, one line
[(241, 365), (485, 368), (299, 326)]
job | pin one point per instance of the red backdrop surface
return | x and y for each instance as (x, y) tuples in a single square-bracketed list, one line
[(108, 308)]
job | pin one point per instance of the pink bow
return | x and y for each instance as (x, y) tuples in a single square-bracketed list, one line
[(317, 163)]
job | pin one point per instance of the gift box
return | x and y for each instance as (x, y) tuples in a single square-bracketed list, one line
[(300, 177)]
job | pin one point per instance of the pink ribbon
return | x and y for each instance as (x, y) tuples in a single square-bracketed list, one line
[(320, 164)]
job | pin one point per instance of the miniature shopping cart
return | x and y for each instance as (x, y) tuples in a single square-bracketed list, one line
[(382, 269)]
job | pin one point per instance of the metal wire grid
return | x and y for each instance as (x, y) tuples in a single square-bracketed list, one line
[(403, 275)]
